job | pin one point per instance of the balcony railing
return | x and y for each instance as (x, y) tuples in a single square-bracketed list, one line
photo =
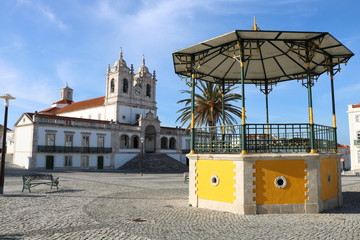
[(264, 138), (64, 149), (357, 142)]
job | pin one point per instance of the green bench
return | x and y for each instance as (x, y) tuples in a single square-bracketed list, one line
[(34, 180)]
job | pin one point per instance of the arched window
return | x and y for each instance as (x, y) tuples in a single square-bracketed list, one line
[(172, 144), (125, 85), (124, 141), (148, 90), (112, 86), (164, 143), (135, 142)]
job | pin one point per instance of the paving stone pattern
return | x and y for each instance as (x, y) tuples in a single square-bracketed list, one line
[(112, 205)]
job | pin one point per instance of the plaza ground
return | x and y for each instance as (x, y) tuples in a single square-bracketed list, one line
[(116, 205)]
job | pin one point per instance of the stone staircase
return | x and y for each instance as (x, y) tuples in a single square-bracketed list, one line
[(155, 163)]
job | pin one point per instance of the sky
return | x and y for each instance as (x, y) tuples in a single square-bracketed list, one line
[(46, 44)]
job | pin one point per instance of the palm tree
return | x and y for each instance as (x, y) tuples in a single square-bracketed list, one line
[(209, 104)]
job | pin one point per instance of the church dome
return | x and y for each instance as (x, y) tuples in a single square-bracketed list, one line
[(120, 62), (143, 68)]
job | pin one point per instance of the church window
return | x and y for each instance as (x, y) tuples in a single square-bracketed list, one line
[(135, 142), (68, 161), (68, 96), (124, 141), (164, 143), (112, 86), (125, 85), (358, 135), (148, 90), (123, 116), (172, 144)]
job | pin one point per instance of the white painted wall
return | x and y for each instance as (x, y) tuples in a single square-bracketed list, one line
[(77, 137), (354, 127), (89, 113), (59, 160), (23, 137)]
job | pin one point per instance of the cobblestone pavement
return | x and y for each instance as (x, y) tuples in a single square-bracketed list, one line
[(94, 205)]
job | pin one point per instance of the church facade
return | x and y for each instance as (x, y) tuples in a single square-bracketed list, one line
[(99, 133)]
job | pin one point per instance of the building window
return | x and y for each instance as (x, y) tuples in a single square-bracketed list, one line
[(50, 139), (69, 122), (124, 141), (172, 144), (69, 140), (125, 85), (357, 118), (164, 143), (85, 141), (68, 161), (187, 143), (112, 86), (148, 90), (85, 161), (100, 142)]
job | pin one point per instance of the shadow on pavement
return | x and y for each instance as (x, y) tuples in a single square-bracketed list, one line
[(351, 204)]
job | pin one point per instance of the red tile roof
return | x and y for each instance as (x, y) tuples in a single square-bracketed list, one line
[(343, 146), (51, 110), (356, 105), (75, 106)]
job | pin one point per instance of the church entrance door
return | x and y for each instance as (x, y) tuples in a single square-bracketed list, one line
[(150, 137)]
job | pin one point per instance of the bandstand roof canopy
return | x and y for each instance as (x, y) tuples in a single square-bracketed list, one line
[(269, 56)]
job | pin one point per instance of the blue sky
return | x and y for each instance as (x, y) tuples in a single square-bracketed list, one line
[(44, 44)]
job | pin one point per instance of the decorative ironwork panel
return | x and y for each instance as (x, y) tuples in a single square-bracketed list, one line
[(264, 138)]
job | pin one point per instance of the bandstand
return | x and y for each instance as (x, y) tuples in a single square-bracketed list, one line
[(271, 167)]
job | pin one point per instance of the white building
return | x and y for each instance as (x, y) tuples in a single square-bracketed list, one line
[(354, 128), (104, 132)]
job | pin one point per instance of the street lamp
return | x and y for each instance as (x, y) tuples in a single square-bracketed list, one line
[(142, 155), (7, 97)]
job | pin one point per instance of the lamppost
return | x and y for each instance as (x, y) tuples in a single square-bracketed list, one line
[(142, 155), (7, 97)]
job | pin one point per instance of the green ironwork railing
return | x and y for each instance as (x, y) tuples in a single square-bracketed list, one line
[(264, 138), (357, 142)]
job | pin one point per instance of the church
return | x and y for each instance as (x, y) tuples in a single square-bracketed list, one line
[(100, 133)]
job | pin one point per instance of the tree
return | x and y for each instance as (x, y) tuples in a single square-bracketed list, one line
[(208, 106)]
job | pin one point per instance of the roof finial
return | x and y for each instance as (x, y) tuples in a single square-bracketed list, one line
[(121, 54), (143, 60), (255, 26), (66, 84)]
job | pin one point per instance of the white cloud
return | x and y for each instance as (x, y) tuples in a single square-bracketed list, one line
[(45, 11), (17, 83)]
